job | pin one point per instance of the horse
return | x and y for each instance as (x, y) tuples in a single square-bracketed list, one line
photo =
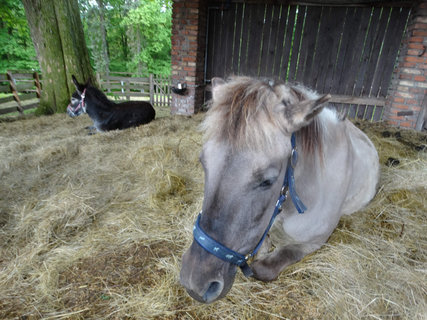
[(280, 168), (105, 114)]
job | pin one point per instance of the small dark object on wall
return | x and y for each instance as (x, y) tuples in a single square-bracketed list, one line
[(180, 88)]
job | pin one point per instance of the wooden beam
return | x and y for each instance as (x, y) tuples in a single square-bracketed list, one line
[(357, 100)]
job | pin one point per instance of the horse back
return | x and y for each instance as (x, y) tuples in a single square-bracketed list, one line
[(365, 170), (130, 114)]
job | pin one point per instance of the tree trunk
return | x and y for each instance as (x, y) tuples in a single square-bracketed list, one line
[(103, 30), (57, 33)]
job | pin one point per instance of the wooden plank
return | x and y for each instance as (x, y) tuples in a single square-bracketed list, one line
[(266, 54), (335, 98), (308, 46), (16, 109), (378, 114), (366, 53), (131, 94), (296, 44), (125, 86), (6, 99), (120, 78), (237, 48), (329, 40), (218, 57), (392, 41), (228, 31), (4, 88), (255, 40), (322, 49), (376, 53), (14, 91), (27, 96), (351, 21), (25, 87), (271, 52), (21, 75), (210, 49), (281, 49), (358, 33)]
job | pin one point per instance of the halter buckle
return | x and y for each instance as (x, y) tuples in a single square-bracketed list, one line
[(294, 157), (284, 191)]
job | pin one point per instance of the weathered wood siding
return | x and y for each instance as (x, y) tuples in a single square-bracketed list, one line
[(345, 51)]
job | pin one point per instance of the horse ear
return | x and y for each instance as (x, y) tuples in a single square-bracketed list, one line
[(79, 87), (216, 83), (302, 113)]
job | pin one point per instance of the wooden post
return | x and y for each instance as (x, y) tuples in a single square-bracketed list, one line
[(127, 90), (14, 91), (37, 84), (151, 89)]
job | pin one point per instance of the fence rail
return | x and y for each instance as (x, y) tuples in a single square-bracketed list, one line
[(24, 89), (155, 88)]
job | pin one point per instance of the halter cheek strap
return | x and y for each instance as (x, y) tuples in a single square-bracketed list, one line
[(222, 252)]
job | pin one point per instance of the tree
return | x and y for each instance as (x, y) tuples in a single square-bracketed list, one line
[(16, 48), (58, 37), (151, 22)]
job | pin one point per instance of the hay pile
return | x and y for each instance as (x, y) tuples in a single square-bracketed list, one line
[(93, 227)]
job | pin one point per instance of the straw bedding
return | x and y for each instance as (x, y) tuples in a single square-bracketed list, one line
[(93, 227)]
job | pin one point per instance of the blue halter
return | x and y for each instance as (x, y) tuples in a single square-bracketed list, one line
[(233, 257)]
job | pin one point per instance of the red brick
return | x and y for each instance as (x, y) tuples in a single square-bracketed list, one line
[(393, 123), (400, 106), (405, 76), (409, 64), (190, 59), (414, 59), (419, 33), (398, 100), (394, 117), (420, 78), (416, 39), (414, 52), (411, 102), (407, 124), (416, 46)]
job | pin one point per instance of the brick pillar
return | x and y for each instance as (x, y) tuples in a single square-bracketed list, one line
[(188, 54), (409, 86)]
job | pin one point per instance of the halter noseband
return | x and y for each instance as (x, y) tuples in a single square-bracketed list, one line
[(233, 257)]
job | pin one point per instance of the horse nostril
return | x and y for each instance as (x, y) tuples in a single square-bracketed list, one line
[(213, 292)]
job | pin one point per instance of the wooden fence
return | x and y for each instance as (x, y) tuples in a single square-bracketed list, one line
[(348, 51), (155, 88), (24, 89)]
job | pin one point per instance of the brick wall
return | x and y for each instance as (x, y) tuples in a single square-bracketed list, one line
[(188, 54), (409, 86)]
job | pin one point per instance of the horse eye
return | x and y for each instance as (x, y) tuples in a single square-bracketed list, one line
[(266, 183)]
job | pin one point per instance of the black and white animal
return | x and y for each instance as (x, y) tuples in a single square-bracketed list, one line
[(106, 114)]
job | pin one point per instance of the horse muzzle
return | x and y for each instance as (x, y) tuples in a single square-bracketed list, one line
[(205, 277), (74, 112)]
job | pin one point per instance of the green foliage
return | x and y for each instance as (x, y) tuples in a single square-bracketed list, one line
[(138, 34), (151, 23), (16, 48)]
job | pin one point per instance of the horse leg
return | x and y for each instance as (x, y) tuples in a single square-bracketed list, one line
[(269, 266)]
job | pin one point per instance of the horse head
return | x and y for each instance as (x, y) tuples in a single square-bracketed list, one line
[(245, 159), (77, 105)]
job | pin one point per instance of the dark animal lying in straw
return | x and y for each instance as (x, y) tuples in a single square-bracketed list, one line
[(108, 115)]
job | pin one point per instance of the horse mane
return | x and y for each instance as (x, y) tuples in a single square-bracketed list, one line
[(100, 96), (244, 114)]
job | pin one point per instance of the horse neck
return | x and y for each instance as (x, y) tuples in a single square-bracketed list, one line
[(317, 145), (97, 102)]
